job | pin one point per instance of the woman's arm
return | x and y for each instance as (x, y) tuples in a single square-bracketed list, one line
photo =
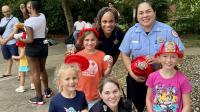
[(127, 62), (29, 33), (148, 100), (186, 102)]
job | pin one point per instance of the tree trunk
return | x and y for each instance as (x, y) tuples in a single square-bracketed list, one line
[(68, 15)]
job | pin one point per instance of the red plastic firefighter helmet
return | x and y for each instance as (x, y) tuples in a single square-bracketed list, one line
[(169, 47), (140, 67), (80, 60), (19, 43)]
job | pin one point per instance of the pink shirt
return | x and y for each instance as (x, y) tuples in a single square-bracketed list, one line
[(167, 93)]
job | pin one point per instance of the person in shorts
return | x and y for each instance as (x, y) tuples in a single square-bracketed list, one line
[(7, 42)]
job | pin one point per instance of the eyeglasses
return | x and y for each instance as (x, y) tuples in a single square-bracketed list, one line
[(6, 11)]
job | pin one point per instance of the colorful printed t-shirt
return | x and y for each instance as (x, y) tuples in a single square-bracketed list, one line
[(61, 104), (89, 79), (167, 93)]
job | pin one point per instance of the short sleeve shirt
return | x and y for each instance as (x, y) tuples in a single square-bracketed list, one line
[(110, 45), (38, 24), (9, 27), (61, 104), (167, 93), (79, 25), (90, 78), (137, 42)]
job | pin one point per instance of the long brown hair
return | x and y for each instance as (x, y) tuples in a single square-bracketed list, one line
[(105, 80)]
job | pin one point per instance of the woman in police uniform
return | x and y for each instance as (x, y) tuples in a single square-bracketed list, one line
[(144, 38), (110, 36)]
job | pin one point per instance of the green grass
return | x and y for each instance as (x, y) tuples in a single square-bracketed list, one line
[(191, 40)]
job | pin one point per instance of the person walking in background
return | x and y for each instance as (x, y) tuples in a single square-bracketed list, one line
[(110, 94), (23, 65), (68, 99), (37, 51), (110, 36), (168, 88), (8, 46), (144, 38), (78, 26)]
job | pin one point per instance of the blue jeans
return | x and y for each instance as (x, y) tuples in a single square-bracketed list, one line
[(75, 35)]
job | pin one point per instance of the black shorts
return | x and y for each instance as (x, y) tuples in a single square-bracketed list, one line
[(38, 48)]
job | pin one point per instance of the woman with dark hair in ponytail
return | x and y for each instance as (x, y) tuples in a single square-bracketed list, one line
[(144, 39), (37, 50), (110, 36)]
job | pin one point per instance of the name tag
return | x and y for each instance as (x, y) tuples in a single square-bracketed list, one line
[(133, 41)]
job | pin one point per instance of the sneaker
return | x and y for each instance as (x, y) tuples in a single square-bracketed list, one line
[(48, 93), (37, 100), (20, 89), (32, 86)]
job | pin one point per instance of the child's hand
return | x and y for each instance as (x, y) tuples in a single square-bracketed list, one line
[(14, 57), (109, 60), (137, 78), (67, 53), (151, 59)]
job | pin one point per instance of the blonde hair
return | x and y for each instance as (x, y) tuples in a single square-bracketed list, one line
[(63, 68)]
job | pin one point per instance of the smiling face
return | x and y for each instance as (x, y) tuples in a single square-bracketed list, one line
[(146, 15), (108, 23), (90, 41), (68, 80), (168, 60), (110, 95)]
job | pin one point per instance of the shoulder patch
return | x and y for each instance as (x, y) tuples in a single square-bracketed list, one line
[(174, 33)]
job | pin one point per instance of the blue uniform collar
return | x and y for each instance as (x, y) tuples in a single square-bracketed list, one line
[(154, 28)]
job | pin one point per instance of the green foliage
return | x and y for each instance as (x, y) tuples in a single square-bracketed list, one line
[(191, 40), (187, 15), (88, 9), (53, 11), (161, 7), (14, 5), (55, 16)]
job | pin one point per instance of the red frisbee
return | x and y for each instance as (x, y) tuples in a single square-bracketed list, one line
[(80, 60)]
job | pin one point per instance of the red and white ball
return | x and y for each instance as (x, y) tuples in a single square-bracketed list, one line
[(107, 58)]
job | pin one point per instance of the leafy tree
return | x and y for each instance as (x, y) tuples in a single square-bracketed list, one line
[(187, 15)]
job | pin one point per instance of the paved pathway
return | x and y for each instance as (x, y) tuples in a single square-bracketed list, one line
[(10, 101)]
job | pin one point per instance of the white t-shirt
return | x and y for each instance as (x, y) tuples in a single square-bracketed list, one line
[(38, 24), (79, 25)]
